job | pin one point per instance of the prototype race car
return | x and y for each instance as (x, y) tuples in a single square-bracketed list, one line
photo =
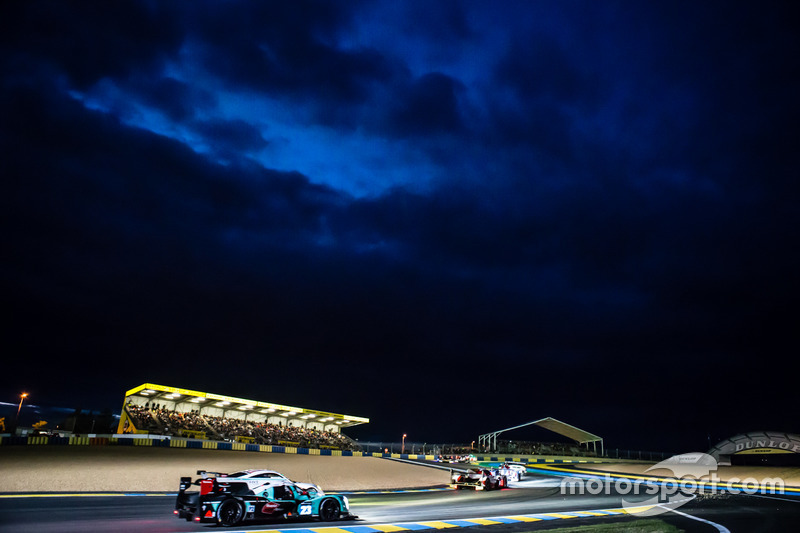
[(512, 471), (478, 478), (230, 500)]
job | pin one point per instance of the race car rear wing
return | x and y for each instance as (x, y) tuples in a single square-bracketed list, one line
[(206, 473), (209, 484)]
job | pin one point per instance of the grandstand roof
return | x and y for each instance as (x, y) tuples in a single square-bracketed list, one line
[(556, 426), (562, 428), (172, 394)]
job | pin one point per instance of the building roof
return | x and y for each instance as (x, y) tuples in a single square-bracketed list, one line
[(556, 426), (571, 432)]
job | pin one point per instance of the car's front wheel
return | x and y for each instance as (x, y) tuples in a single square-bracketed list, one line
[(329, 510), (230, 512)]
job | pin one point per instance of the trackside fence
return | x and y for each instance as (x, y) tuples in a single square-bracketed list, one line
[(509, 452), (160, 441)]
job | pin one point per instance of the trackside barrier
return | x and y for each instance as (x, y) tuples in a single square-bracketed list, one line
[(162, 441)]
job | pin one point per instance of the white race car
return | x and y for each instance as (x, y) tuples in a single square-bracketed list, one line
[(518, 469), (478, 479), (256, 479)]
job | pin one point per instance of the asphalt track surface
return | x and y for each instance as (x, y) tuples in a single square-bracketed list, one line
[(153, 513)]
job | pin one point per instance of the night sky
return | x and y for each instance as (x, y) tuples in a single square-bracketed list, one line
[(450, 217)]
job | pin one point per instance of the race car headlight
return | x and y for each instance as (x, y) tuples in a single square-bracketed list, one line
[(346, 503)]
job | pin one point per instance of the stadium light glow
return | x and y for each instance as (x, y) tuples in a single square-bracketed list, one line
[(21, 399)]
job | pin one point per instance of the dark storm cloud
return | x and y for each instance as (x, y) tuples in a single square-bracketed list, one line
[(178, 100), (285, 49), (234, 136), (155, 181), (290, 52), (609, 208), (429, 106), (538, 68), (88, 41)]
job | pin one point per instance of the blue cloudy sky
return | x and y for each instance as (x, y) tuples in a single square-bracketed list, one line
[(495, 210)]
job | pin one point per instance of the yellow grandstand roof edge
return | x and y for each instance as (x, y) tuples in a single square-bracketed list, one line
[(242, 401), (135, 390)]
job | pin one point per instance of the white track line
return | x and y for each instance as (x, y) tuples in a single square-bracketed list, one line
[(720, 527)]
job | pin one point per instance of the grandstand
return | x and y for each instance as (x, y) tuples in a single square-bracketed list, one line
[(171, 411)]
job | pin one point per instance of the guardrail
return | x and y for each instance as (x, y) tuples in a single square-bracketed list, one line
[(547, 450), (161, 441)]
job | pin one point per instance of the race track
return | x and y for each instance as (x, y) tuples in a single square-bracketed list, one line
[(403, 510), (536, 503)]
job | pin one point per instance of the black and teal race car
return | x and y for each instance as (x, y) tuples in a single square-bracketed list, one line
[(230, 501)]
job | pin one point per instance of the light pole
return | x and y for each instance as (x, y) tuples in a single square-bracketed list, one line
[(403, 445), (21, 399)]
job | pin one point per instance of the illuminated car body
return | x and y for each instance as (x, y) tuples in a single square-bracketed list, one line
[(478, 479), (230, 501), (255, 478), (512, 472)]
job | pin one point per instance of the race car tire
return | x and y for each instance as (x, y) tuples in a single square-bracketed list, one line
[(230, 512), (329, 510)]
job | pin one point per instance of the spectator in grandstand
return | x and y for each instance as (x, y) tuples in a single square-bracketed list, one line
[(160, 420)]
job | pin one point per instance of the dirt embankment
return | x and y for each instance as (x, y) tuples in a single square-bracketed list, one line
[(144, 469)]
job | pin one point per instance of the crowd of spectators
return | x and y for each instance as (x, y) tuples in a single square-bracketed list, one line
[(141, 418), (158, 419)]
